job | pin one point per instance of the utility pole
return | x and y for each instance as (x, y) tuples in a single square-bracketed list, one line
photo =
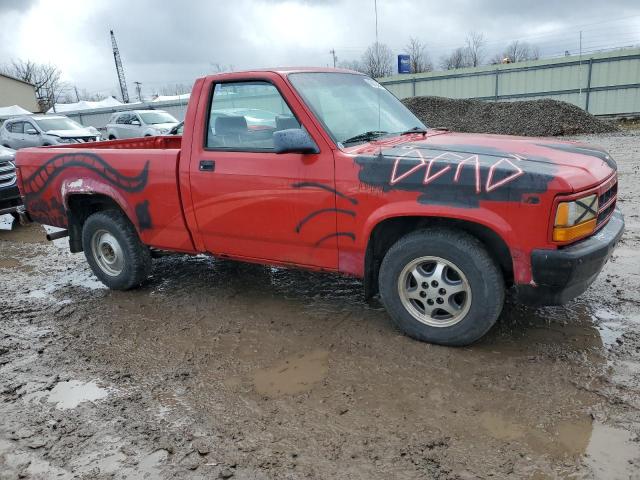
[(139, 90), (333, 54), (119, 69), (77, 96), (580, 71)]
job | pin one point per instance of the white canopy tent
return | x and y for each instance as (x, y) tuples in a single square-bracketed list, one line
[(170, 98), (84, 105), (12, 111)]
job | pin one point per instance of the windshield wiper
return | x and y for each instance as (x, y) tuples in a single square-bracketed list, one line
[(415, 130), (365, 137)]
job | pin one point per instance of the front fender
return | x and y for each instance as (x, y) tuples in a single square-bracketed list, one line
[(481, 216)]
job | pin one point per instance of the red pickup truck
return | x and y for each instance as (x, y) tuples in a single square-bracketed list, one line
[(325, 169)]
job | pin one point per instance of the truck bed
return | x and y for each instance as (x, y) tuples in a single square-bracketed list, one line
[(161, 143), (139, 175)]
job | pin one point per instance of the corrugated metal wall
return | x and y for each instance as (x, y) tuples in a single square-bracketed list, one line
[(604, 83)]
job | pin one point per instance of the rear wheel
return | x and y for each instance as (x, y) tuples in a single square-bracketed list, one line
[(114, 251), (112, 137), (441, 286)]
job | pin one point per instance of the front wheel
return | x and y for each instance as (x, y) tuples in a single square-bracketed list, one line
[(114, 251), (441, 286)]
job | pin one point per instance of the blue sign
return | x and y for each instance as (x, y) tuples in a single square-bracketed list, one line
[(404, 64)]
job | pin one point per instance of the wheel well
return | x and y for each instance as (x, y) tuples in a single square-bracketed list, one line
[(389, 231), (81, 206)]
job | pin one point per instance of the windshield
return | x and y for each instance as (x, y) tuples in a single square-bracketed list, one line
[(60, 123), (347, 105), (154, 118)]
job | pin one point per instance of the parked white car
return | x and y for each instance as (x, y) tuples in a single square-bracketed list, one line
[(140, 123), (43, 130)]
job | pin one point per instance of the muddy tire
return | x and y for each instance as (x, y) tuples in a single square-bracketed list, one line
[(114, 251), (441, 286)]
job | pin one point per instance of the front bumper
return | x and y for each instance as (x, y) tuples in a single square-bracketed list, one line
[(563, 274), (9, 199)]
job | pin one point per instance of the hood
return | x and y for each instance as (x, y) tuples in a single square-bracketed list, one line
[(580, 165), (464, 169), (80, 132), (7, 153), (163, 126)]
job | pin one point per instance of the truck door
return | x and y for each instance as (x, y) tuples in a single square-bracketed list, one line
[(120, 125), (16, 134), (250, 202), (32, 136)]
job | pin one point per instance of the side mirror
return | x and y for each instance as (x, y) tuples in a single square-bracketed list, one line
[(135, 122), (31, 131), (294, 140)]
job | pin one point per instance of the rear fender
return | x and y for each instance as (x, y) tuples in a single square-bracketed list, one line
[(88, 186)]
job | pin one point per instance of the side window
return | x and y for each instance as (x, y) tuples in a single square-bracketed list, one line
[(244, 115), (123, 119), (17, 127)]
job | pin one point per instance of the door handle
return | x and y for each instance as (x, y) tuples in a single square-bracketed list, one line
[(207, 165)]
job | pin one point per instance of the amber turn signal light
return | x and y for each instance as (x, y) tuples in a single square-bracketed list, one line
[(566, 234)]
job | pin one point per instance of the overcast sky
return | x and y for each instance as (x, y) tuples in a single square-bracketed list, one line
[(163, 42)]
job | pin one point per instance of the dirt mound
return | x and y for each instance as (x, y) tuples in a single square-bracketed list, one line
[(535, 118)]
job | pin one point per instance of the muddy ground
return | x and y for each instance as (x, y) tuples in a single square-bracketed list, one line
[(218, 370)]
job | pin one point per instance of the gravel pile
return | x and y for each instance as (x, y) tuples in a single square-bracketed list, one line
[(536, 118)]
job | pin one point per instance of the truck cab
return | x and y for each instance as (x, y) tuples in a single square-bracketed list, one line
[(325, 169)]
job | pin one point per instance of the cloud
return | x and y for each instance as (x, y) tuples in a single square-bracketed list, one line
[(174, 42), (15, 6)]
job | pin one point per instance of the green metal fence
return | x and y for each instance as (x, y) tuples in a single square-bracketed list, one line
[(603, 83)]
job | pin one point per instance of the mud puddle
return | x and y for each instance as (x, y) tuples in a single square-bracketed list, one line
[(292, 376), (216, 369), (70, 394)]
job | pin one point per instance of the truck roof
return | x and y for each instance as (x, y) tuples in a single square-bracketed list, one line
[(287, 70)]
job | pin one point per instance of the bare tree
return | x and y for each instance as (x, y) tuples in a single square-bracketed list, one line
[(175, 89), (352, 65), (219, 67), (474, 49), (377, 60), (85, 94), (46, 79), (517, 51), (419, 58), (456, 59)]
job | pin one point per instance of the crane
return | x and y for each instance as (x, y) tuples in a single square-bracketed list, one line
[(119, 69)]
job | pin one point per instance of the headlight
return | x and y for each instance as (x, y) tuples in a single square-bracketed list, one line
[(575, 219), (65, 140), (162, 131)]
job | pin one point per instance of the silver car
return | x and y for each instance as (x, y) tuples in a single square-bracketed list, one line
[(44, 130), (140, 123)]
